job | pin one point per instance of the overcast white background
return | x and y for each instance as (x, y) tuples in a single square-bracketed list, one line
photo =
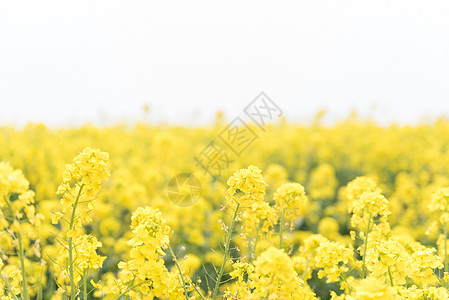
[(66, 63)]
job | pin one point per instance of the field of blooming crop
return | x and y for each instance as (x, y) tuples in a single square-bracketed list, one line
[(349, 211)]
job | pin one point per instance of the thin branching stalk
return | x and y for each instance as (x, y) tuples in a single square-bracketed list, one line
[(21, 255), (307, 265), (179, 269), (22, 265), (199, 292), (226, 252), (131, 284), (85, 284), (345, 279), (281, 229), (366, 247), (129, 289), (9, 288), (71, 270), (391, 277), (252, 255), (446, 267), (440, 280), (39, 289)]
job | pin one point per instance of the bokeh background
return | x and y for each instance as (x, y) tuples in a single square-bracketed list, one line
[(67, 63)]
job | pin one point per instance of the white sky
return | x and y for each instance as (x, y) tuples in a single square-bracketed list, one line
[(67, 62)]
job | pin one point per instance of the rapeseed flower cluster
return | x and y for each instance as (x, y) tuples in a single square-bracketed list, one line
[(290, 200), (19, 237), (246, 186), (81, 183), (144, 275), (272, 276)]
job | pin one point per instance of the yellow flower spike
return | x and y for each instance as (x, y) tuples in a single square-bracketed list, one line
[(21, 225), (271, 274), (290, 201), (145, 274), (81, 182), (246, 186)]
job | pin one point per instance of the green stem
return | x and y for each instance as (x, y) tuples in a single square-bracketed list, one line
[(22, 264), (307, 265), (9, 288), (252, 255), (199, 292), (41, 283), (391, 277), (129, 289), (225, 257), (131, 284), (71, 271), (281, 229), (366, 247), (179, 269), (345, 279), (85, 284), (446, 267), (20, 254), (440, 280)]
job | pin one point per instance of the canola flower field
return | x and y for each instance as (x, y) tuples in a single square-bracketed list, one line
[(349, 211)]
